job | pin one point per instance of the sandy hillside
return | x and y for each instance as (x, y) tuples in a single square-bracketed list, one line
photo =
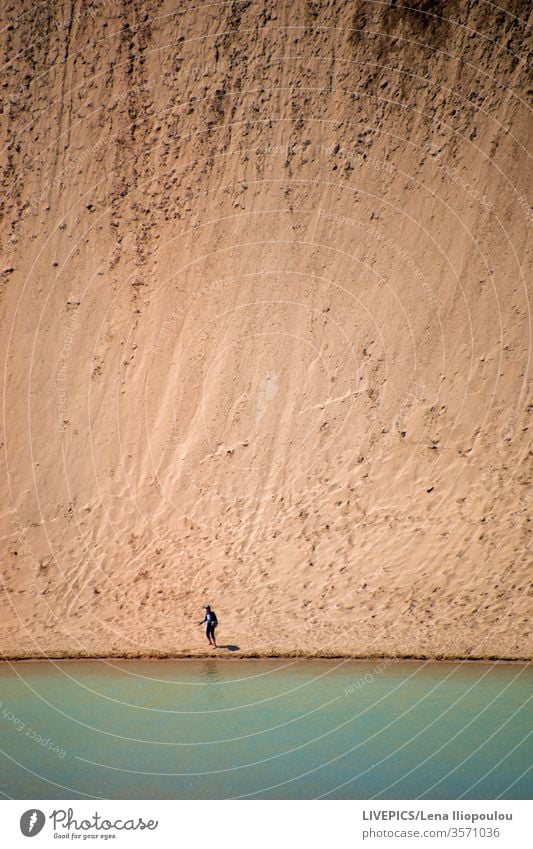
[(265, 326)]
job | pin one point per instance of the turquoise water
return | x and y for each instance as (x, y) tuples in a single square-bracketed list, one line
[(289, 729)]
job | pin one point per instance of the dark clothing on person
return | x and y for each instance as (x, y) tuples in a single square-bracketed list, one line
[(211, 619)]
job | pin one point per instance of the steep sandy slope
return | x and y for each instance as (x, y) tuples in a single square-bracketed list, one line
[(266, 328)]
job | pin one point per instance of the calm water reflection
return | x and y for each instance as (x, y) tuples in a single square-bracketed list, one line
[(265, 729)]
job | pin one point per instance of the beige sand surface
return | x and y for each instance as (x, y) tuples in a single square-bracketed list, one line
[(265, 327)]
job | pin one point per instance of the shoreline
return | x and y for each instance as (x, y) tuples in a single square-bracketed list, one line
[(256, 655)]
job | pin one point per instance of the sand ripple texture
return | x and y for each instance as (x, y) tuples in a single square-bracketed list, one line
[(265, 327)]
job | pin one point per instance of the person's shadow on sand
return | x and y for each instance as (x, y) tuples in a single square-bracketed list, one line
[(230, 648)]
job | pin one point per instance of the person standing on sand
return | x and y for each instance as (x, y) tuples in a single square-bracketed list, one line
[(212, 622)]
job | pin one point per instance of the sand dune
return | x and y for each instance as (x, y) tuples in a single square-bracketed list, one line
[(266, 327)]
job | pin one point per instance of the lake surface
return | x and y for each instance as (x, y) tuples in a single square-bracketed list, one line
[(283, 729)]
